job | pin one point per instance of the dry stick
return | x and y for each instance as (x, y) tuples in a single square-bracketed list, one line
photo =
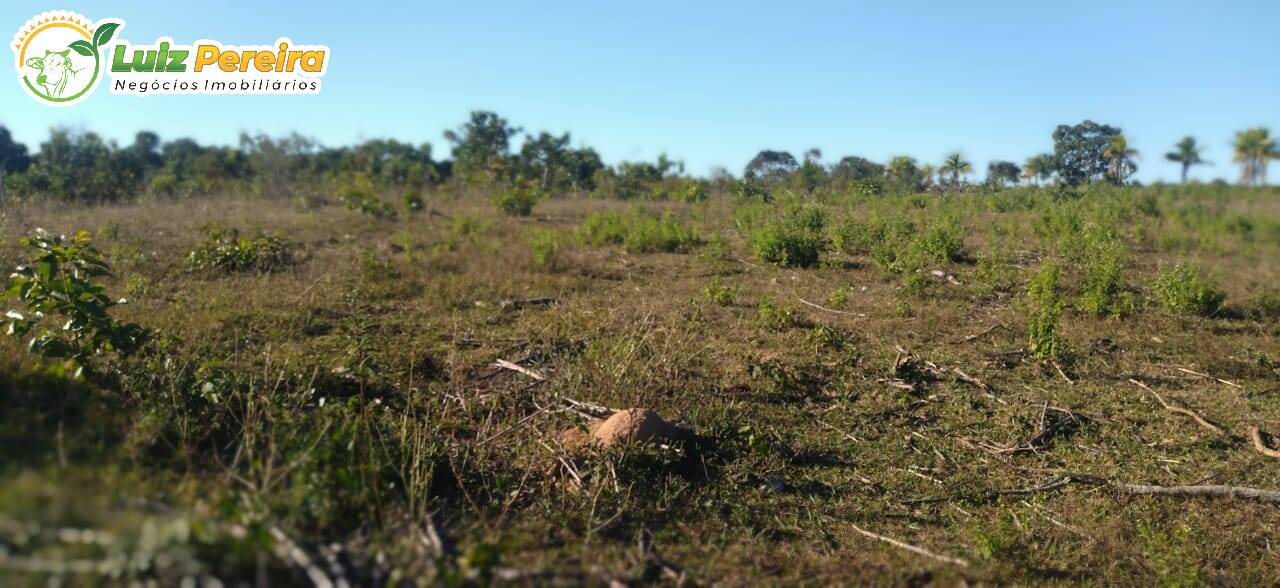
[(502, 363), (1232, 384), (831, 310), (1208, 491), (1256, 435), (912, 548), (1062, 373), (1180, 410)]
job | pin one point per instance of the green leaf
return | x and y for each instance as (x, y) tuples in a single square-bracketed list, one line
[(103, 35), (82, 47)]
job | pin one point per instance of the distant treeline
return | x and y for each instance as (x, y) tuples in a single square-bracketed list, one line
[(81, 166)]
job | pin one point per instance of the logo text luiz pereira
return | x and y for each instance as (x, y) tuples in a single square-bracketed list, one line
[(62, 56)]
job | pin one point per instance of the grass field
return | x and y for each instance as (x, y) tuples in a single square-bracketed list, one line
[(976, 375)]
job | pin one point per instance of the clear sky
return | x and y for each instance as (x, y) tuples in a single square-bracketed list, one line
[(712, 83)]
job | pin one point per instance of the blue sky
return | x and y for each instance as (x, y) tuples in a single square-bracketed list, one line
[(712, 83)]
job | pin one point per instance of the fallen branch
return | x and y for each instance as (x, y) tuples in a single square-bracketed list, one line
[(523, 302), (504, 364), (831, 310), (1194, 373), (1256, 435), (989, 330), (1180, 410), (1207, 491), (912, 548)]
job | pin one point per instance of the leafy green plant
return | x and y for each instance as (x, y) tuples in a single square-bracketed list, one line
[(1044, 310), (518, 200), (718, 293), (226, 250), (358, 193), (787, 246), (57, 284), (793, 241), (996, 272), (1182, 290), (777, 316), (412, 200), (1105, 293), (637, 232), (546, 248)]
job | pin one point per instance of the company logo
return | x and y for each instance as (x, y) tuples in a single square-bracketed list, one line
[(59, 56), (62, 56)]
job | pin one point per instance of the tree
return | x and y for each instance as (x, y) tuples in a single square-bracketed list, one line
[(1079, 151), (13, 157), (1000, 173), (856, 168), (480, 146), (1039, 167), (1119, 158), (1187, 153), (956, 166), (770, 166), (903, 171), (1253, 148), (927, 173), (812, 173)]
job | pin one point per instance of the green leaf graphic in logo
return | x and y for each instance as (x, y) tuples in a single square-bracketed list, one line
[(103, 35), (83, 48)]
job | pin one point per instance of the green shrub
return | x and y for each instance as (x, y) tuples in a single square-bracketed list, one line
[(517, 200), (777, 316), (996, 272), (1105, 293), (720, 294), (943, 242), (226, 250), (1266, 304), (1182, 290), (412, 200), (1044, 309), (546, 248), (358, 193), (637, 232), (57, 286), (838, 297), (787, 246), (795, 240)]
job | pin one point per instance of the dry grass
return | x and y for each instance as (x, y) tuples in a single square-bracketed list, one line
[(814, 422)]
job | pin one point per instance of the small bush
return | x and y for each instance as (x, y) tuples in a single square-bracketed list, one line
[(226, 250), (546, 248), (358, 193), (637, 232), (517, 200), (1105, 293), (57, 286), (1182, 290), (777, 316), (1044, 309), (943, 242), (720, 294), (1266, 305), (996, 272), (793, 241), (787, 246), (412, 200)]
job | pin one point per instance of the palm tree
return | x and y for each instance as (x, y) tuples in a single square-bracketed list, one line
[(927, 171), (956, 166), (1039, 167), (1253, 148), (1119, 159), (1187, 153)]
